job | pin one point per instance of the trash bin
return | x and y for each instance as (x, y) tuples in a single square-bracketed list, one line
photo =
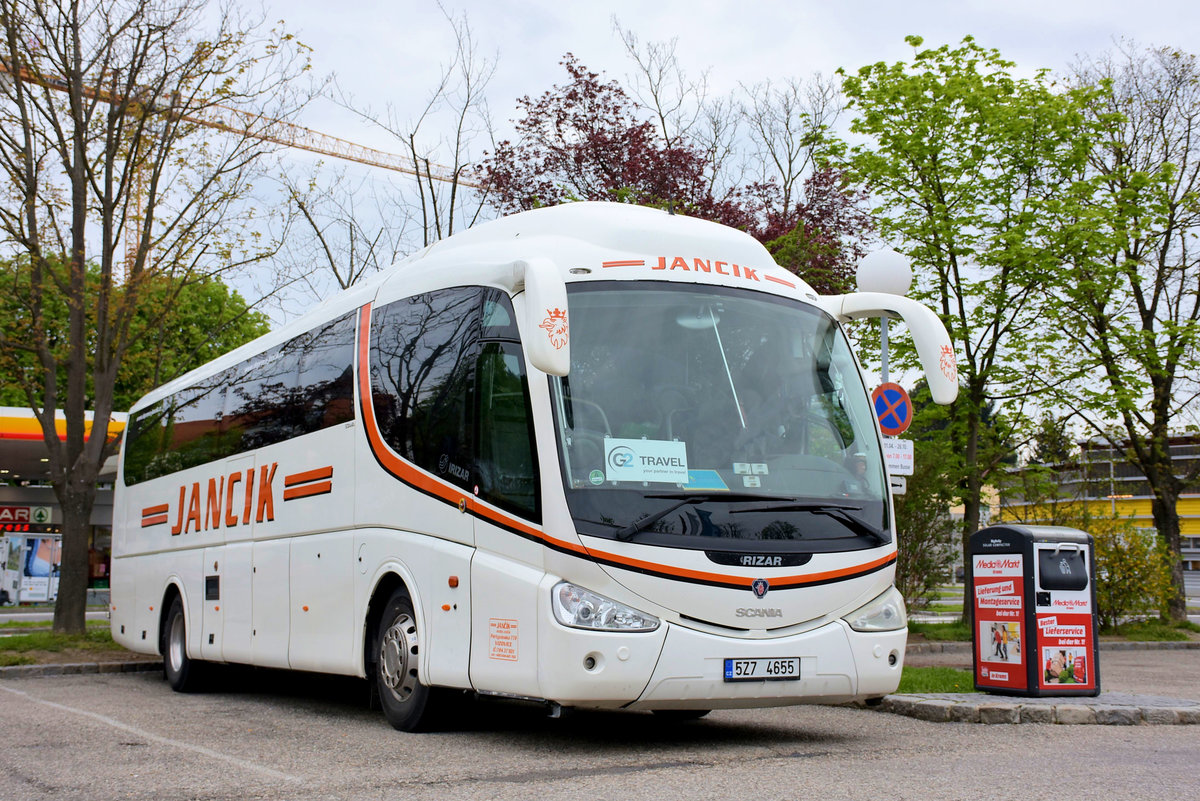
[(1034, 602)]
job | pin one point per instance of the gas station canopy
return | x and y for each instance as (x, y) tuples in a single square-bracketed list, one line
[(23, 455)]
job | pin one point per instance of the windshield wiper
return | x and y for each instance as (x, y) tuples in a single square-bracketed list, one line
[(683, 499), (838, 511)]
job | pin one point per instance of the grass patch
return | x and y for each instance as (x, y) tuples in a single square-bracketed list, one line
[(942, 632), (38, 647), (100, 640), (1153, 630), (936, 680), (45, 624)]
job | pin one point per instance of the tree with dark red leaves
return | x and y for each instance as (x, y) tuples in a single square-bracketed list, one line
[(585, 141)]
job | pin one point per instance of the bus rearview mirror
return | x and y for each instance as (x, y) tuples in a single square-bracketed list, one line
[(934, 347), (547, 334)]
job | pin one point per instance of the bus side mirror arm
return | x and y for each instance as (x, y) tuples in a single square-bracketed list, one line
[(547, 331), (934, 347)]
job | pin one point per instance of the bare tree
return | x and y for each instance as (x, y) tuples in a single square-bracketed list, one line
[(684, 111), (341, 226), (788, 123), (446, 191), (109, 156), (1133, 312)]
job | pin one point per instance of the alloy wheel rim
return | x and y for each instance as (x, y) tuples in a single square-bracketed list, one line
[(397, 665)]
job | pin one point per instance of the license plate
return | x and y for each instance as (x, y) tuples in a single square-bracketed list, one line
[(777, 668)]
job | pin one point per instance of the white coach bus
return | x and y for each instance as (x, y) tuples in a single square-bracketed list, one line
[(592, 455)]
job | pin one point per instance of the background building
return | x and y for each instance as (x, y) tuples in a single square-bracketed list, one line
[(30, 518), (1102, 480)]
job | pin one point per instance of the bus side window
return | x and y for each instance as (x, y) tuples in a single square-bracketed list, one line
[(262, 404), (507, 467), (327, 375), (194, 424), (146, 440), (422, 357)]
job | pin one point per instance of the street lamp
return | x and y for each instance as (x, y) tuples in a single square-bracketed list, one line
[(889, 272)]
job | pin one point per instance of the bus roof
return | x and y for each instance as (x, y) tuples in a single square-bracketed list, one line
[(587, 241)]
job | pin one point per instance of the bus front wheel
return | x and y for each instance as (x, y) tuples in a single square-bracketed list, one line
[(407, 704)]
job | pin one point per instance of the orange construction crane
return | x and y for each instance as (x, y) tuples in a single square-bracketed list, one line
[(266, 129), (243, 123)]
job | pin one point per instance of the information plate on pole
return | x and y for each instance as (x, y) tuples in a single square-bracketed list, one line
[(898, 457), (893, 408)]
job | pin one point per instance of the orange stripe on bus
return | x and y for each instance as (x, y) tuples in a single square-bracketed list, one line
[(308, 475), (161, 509), (416, 477), (309, 489), (153, 521), (746, 581)]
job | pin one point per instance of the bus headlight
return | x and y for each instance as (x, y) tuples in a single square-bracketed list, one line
[(583, 609), (885, 613)]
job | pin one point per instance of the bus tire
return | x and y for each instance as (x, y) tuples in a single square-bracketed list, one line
[(181, 671), (407, 704)]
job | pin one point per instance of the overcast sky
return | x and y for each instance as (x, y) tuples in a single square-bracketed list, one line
[(391, 52)]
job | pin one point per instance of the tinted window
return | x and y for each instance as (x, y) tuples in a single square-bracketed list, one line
[(301, 386), (194, 433), (422, 356), (508, 475), (450, 392), (327, 375)]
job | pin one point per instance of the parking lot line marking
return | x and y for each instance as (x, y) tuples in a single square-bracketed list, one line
[(125, 727)]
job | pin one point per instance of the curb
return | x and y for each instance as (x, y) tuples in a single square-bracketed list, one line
[(1118, 645), (78, 668), (1111, 709)]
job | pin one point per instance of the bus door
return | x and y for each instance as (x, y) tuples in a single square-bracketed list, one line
[(507, 567), (235, 571)]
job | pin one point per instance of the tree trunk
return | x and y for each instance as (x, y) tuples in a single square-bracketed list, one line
[(1165, 510), (971, 504), (76, 504)]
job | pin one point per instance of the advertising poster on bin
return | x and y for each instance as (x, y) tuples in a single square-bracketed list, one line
[(999, 615), (1064, 619)]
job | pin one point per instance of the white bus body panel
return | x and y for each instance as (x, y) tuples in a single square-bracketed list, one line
[(296, 587), (425, 565)]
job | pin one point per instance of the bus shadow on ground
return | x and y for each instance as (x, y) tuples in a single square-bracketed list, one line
[(350, 698)]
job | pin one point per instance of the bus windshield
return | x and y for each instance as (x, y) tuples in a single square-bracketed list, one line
[(702, 416)]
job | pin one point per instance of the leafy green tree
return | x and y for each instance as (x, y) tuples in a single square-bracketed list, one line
[(963, 158), (926, 552), (106, 164), (178, 326), (1132, 311)]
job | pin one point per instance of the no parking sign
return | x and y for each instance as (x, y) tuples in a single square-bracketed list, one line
[(893, 408)]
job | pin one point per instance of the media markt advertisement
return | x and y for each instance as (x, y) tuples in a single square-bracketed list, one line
[(998, 615), (1065, 648), (1064, 618)]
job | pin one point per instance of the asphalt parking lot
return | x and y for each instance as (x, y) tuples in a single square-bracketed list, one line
[(265, 734)]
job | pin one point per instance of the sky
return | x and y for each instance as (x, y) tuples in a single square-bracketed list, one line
[(392, 53)]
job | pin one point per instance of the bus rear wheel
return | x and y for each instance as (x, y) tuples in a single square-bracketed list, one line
[(181, 671), (407, 704)]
